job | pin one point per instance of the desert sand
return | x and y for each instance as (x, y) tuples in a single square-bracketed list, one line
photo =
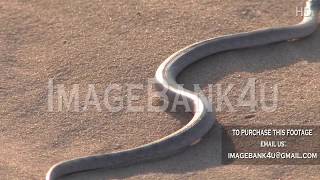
[(103, 42)]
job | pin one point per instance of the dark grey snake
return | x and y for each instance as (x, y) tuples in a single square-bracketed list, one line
[(203, 119)]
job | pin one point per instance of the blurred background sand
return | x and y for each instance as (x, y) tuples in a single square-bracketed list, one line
[(103, 42)]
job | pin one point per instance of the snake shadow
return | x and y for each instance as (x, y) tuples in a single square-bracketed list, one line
[(207, 153)]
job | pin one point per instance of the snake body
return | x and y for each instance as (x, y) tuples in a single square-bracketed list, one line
[(203, 119)]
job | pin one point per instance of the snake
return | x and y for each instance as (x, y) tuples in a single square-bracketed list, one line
[(203, 118)]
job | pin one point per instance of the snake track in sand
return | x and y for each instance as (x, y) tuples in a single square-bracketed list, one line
[(202, 120)]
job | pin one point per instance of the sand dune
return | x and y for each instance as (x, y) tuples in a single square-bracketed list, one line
[(103, 42)]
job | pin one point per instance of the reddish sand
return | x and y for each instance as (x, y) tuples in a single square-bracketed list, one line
[(103, 42)]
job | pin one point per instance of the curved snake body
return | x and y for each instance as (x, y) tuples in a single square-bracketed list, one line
[(203, 119)]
